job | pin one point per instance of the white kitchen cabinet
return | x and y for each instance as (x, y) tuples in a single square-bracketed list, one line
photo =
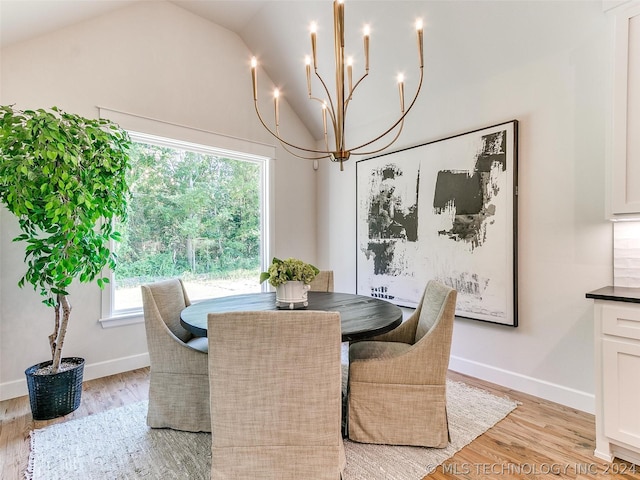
[(624, 151), (617, 347)]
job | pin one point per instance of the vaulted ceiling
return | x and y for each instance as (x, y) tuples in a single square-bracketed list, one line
[(462, 38)]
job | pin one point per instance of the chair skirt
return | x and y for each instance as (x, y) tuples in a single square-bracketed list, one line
[(276, 463), (397, 414), (179, 401)]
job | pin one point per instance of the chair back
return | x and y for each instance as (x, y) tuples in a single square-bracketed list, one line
[(275, 383), (323, 282), (164, 301), (179, 376), (437, 302)]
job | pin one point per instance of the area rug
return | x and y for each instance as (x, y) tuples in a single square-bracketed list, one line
[(118, 445)]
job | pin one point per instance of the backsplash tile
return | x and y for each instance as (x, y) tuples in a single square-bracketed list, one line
[(626, 254)]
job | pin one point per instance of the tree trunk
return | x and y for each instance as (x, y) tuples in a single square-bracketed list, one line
[(191, 254), (56, 328), (60, 331)]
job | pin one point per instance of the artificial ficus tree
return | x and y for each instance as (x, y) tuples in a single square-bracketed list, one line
[(64, 177)]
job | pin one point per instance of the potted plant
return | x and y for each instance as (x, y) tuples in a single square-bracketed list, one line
[(291, 277), (63, 176)]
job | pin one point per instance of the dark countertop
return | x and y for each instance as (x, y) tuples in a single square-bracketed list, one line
[(616, 294)]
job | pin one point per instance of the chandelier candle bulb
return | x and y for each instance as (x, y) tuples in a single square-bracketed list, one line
[(314, 28), (307, 62), (276, 95), (350, 73), (324, 119), (401, 89), (254, 77), (324, 127), (419, 30), (367, 32)]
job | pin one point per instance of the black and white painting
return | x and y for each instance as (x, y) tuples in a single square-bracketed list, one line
[(444, 210)]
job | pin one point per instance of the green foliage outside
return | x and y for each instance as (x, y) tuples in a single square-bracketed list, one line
[(193, 215)]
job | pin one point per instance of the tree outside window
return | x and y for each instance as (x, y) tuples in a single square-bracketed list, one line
[(193, 215)]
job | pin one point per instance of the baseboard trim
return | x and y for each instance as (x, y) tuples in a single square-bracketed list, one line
[(549, 391), (18, 388), (569, 397)]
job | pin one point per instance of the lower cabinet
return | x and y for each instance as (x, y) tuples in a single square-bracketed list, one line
[(617, 336)]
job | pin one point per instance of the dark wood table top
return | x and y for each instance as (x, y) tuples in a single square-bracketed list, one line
[(361, 317)]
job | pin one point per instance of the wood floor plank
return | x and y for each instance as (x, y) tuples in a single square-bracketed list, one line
[(538, 440)]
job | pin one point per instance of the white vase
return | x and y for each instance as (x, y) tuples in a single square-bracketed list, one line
[(292, 294)]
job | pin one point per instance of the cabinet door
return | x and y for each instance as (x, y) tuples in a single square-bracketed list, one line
[(625, 193), (621, 390)]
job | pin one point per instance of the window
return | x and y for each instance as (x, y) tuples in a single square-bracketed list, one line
[(197, 212)]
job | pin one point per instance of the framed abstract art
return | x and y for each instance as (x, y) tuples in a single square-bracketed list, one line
[(443, 210)]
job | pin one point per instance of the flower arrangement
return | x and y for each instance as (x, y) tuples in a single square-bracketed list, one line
[(291, 269)]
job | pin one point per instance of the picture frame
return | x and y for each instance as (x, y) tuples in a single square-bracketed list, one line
[(444, 210)]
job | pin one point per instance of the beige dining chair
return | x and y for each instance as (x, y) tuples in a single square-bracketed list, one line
[(179, 380), (397, 381), (323, 282), (275, 395)]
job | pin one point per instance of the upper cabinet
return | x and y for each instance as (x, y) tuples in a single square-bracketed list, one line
[(625, 128)]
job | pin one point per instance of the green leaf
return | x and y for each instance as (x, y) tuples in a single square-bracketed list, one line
[(53, 166)]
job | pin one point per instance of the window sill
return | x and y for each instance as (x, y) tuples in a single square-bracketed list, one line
[(130, 318)]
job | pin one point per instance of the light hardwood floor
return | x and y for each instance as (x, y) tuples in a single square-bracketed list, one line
[(538, 440)]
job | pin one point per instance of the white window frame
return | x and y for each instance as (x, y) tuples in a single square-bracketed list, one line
[(146, 130)]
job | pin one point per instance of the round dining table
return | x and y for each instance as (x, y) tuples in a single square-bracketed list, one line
[(361, 316)]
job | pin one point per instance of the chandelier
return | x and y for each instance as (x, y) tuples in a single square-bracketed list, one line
[(334, 110)]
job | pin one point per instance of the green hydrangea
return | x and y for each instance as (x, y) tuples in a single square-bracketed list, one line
[(291, 269)]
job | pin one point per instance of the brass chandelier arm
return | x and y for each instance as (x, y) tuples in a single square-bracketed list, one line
[(339, 104), (385, 133), (284, 142), (371, 152), (287, 149), (353, 89), (295, 154)]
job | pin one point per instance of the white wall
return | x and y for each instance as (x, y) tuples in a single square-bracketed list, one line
[(544, 64), (159, 61)]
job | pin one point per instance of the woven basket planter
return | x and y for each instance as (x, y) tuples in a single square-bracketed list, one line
[(55, 395)]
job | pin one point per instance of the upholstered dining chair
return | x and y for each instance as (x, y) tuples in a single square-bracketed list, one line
[(275, 385), (323, 282), (397, 381), (179, 383)]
